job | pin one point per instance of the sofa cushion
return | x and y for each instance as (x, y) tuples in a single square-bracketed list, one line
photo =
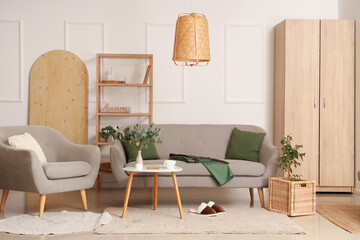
[(244, 145), (60, 170), (238, 167), (146, 153)]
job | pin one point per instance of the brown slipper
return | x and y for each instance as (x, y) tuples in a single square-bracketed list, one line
[(203, 210), (218, 209)]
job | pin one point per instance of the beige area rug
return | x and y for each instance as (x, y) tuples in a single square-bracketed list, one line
[(53, 223), (166, 220), (344, 216)]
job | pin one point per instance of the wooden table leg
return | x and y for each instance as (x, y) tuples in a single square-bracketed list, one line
[(127, 194), (155, 189), (177, 194)]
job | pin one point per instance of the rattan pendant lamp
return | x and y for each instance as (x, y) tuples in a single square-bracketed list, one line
[(191, 45)]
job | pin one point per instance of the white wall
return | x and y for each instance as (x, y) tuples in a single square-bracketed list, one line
[(236, 87), (350, 9)]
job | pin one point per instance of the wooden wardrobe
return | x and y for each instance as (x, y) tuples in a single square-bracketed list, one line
[(314, 97)]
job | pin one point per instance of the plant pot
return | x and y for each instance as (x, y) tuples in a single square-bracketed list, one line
[(109, 139), (139, 161), (294, 198)]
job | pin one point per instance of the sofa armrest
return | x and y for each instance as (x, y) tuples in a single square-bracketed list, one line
[(20, 170), (270, 157), (118, 162)]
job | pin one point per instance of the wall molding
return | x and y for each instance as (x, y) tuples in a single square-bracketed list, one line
[(182, 100), (240, 100), (20, 98), (67, 24)]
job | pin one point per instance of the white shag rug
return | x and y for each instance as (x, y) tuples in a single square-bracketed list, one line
[(166, 220), (54, 223)]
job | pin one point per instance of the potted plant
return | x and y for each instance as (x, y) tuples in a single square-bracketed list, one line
[(140, 137), (290, 157), (108, 132), (291, 194)]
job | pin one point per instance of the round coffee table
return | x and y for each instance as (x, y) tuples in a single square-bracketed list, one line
[(145, 169)]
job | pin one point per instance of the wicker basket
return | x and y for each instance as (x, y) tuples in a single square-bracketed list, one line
[(293, 198)]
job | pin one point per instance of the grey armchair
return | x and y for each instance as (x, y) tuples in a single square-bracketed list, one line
[(69, 166)]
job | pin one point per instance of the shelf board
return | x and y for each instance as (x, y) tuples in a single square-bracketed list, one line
[(123, 114), (123, 85)]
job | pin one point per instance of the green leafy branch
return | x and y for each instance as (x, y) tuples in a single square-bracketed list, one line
[(139, 136)]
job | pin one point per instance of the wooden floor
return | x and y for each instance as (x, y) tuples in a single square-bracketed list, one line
[(316, 226)]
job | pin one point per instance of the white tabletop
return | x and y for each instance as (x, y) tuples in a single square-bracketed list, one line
[(162, 169)]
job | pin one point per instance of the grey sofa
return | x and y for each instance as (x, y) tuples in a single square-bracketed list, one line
[(201, 140), (69, 166)]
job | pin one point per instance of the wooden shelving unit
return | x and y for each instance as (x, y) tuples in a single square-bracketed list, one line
[(99, 85), (104, 168)]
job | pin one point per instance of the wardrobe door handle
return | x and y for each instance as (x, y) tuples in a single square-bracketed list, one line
[(314, 102), (324, 102)]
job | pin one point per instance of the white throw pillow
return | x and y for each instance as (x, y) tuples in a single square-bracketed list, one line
[(26, 141)]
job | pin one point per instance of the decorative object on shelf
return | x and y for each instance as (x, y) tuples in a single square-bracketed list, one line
[(291, 194), (109, 76), (108, 132), (191, 45), (115, 109), (149, 68), (113, 82), (140, 137)]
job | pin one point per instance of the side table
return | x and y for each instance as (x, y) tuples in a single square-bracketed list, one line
[(145, 169)]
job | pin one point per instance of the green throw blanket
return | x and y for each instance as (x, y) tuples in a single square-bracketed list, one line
[(219, 169)]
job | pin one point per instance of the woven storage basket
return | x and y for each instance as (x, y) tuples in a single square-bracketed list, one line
[(191, 43), (293, 198)]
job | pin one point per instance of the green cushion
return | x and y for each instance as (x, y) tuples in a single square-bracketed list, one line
[(244, 145), (148, 153)]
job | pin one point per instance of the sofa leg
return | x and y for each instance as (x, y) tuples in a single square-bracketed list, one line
[(97, 183), (261, 197), (42, 204), (251, 190), (4, 196), (83, 199)]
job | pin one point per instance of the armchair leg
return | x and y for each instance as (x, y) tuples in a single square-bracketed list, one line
[(83, 198), (42, 204), (4, 196), (261, 197)]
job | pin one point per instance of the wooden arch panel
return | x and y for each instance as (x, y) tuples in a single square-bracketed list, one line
[(59, 90)]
